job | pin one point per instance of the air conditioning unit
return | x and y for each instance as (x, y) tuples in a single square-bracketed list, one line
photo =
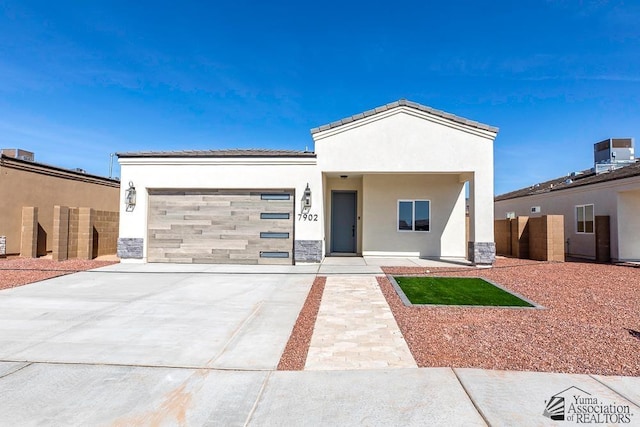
[(612, 154), (19, 154)]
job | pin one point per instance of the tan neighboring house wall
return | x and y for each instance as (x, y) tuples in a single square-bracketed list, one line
[(615, 194), (30, 184)]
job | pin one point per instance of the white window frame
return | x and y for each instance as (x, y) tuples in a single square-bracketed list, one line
[(413, 216), (511, 215), (584, 221)]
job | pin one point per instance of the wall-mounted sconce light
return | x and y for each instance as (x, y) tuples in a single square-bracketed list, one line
[(306, 199), (130, 197)]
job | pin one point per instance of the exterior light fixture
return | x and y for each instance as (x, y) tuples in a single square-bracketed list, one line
[(306, 198), (130, 197)]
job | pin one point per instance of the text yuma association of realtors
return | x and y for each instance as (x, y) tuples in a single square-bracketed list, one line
[(590, 410)]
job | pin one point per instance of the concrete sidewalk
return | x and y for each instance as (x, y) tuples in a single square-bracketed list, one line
[(79, 394)]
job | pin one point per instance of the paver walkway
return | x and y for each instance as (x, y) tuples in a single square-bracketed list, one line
[(355, 328)]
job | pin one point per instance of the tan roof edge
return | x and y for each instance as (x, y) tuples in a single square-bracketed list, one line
[(37, 167), (219, 153)]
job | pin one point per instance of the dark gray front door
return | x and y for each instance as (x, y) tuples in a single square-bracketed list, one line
[(343, 221)]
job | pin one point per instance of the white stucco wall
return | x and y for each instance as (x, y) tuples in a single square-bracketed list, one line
[(604, 197), (217, 173), (406, 140), (446, 237)]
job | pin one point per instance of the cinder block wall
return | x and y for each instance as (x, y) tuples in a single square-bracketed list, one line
[(106, 225), (74, 232), (520, 237), (29, 232), (88, 233), (60, 233), (85, 233), (555, 238), (540, 238), (502, 232)]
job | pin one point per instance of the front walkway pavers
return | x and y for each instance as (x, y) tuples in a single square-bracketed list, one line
[(355, 328)]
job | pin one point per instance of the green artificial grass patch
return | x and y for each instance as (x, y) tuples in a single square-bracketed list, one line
[(456, 291)]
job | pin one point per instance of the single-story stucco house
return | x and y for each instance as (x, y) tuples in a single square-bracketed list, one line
[(600, 205), (386, 182)]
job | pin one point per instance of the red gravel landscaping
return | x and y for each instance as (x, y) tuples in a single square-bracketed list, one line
[(294, 356), (590, 324), (21, 271)]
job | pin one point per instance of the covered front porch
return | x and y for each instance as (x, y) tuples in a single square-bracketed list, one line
[(394, 184), (395, 215)]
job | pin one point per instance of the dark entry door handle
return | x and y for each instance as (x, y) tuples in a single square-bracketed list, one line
[(353, 231)]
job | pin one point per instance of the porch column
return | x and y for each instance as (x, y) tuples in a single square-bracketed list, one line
[(481, 245)]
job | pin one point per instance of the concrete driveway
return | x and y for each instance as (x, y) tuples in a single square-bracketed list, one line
[(176, 316)]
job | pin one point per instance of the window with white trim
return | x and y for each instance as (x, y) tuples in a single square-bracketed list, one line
[(414, 215), (584, 219)]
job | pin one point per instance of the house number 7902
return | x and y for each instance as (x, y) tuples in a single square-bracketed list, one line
[(307, 217)]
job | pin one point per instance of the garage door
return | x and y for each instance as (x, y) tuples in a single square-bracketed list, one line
[(221, 226)]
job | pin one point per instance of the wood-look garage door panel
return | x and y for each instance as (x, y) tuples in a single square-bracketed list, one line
[(218, 226)]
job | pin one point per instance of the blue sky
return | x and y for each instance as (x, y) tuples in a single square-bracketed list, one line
[(80, 80)]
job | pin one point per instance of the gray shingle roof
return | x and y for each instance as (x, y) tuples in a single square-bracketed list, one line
[(586, 177), (220, 153), (405, 103)]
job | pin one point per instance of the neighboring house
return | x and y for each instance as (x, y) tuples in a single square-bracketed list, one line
[(26, 183), (611, 189), (387, 182)]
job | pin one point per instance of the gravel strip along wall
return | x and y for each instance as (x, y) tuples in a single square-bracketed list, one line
[(591, 324), (22, 271), (295, 353)]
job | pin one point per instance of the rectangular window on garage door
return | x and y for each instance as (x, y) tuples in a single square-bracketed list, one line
[(275, 215), (275, 196), (273, 235), (274, 254)]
